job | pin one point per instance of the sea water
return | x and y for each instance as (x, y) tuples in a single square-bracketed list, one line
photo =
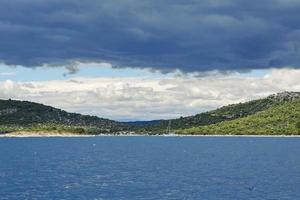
[(158, 168)]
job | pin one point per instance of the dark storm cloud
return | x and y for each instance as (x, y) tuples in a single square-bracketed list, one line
[(191, 35)]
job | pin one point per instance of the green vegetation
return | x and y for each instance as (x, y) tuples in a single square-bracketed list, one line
[(54, 129), (276, 114), (225, 113), (298, 125), (17, 116), (282, 119)]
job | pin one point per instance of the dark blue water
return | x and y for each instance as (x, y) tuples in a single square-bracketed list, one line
[(150, 168)]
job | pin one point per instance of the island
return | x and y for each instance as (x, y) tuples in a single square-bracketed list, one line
[(277, 114)]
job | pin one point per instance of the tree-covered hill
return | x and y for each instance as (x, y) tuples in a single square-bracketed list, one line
[(18, 116), (225, 113), (281, 119), (23, 114)]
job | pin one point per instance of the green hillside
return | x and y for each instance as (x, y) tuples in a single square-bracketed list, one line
[(225, 113), (276, 114), (281, 119), (28, 116)]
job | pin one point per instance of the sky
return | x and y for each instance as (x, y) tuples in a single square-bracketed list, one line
[(142, 60)]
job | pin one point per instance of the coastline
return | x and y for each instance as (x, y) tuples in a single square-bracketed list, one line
[(16, 135), (49, 134), (24, 134)]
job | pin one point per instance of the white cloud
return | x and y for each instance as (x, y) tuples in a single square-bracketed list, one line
[(7, 74), (9, 89), (128, 98)]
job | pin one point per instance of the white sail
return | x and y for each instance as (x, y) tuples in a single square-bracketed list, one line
[(169, 132)]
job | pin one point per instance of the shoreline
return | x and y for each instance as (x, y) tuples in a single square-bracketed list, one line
[(49, 135)]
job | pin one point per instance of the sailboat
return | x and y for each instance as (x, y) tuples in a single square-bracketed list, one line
[(169, 132)]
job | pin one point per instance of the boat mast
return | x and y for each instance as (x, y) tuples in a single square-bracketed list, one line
[(169, 127)]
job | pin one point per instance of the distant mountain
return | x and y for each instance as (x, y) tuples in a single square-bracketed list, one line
[(143, 123), (225, 113), (23, 114), (281, 119)]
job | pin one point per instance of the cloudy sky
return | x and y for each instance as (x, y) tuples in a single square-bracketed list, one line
[(142, 60)]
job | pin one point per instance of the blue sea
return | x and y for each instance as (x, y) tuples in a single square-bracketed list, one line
[(156, 168)]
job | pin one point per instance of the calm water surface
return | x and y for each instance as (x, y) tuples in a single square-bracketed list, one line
[(129, 168)]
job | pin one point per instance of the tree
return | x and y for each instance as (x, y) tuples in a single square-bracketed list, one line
[(298, 125)]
